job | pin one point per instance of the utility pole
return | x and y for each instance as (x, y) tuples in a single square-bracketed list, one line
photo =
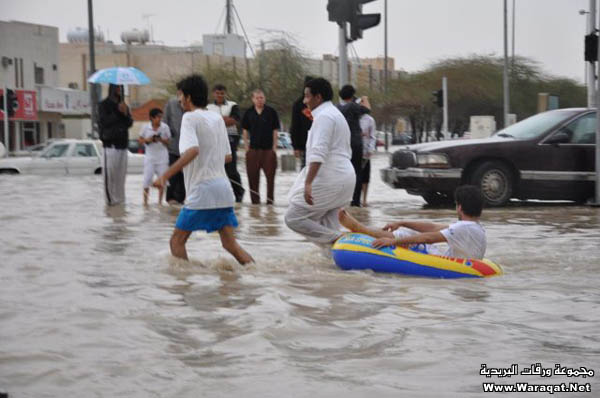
[(92, 86), (513, 36), (343, 58), (385, 51), (505, 74), (445, 117), (594, 83), (228, 17)]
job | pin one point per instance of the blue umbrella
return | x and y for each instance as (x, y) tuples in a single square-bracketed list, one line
[(120, 75)]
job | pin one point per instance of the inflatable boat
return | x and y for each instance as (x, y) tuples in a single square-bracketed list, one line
[(354, 252)]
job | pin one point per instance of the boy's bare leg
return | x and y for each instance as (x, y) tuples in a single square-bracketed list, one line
[(230, 244), (146, 194), (353, 225), (178, 240), (160, 196)]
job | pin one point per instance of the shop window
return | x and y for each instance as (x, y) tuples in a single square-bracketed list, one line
[(39, 74)]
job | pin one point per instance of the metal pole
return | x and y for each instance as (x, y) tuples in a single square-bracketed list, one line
[(595, 82), (343, 58), (505, 77), (513, 36), (591, 78), (445, 119), (385, 34), (6, 132), (92, 87), (228, 17)]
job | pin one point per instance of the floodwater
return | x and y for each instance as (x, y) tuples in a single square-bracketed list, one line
[(92, 304)]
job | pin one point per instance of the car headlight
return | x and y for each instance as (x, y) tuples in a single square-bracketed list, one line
[(433, 160)]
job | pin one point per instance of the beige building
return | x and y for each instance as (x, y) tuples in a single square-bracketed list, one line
[(162, 64)]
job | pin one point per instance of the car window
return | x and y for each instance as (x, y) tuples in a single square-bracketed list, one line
[(582, 130), (535, 125), (56, 151), (84, 150)]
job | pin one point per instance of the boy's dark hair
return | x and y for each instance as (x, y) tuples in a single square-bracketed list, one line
[(155, 112), (320, 86), (219, 87), (347, 92), (470, 199), (194, 86)]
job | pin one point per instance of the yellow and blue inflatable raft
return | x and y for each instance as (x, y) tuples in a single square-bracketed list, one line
[(354, 252)]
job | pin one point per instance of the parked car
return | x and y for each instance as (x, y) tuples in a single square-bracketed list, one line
[(549, 156), (284, 140), (401, 139), (67, 156)]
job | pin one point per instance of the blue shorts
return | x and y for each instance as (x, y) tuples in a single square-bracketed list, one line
[(208, 220)]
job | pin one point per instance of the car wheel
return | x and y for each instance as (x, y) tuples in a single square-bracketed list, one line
[(495, 181), (8, 171), (98, 170), (434, 198)]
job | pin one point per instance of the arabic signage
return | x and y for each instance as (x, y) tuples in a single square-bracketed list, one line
[(22, 105), (64, 101)]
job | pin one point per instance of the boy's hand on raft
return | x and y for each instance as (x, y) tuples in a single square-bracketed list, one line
[(383, 242)]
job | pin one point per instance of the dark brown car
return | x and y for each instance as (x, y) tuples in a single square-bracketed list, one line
[(549, 156)]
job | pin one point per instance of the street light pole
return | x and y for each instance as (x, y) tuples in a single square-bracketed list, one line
[(594, 82), (92, 86), (505, 74), (591, 77)]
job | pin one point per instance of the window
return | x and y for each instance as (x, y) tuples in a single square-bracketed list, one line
[(582, 130), (39, 74), (84, 150), (56, 151)]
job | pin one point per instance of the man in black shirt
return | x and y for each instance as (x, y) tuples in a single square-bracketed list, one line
[(301, 122), (260, 132), (114, 121), (352, 112), (230, 112)]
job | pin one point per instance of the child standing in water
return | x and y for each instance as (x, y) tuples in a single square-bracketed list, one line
[(204, 148)]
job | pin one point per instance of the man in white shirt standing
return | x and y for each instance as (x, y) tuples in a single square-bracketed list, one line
[(327, 182), (466, 238), (204, 149), (155, 137)]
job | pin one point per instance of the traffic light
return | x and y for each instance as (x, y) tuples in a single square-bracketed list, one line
[(591, 47), (438, 98), (342, 11), (13, 102), (359, 21), (339, 11)]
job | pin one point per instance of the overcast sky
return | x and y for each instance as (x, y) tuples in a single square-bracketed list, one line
[(420, 31)]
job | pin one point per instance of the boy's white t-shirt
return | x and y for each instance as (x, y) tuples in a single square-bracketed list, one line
[(156, 152), (466, 239), (206, 183)]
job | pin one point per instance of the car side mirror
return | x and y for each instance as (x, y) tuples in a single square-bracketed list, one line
[(559, 138)]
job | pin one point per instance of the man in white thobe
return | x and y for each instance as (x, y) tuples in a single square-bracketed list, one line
[(327, 182)]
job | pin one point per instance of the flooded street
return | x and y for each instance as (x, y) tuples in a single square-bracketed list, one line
[(93, 305)]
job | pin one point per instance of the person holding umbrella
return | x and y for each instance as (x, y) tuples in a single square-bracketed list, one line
[(114, 121)]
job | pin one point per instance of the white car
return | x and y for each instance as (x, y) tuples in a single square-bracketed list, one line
[(67, 157)]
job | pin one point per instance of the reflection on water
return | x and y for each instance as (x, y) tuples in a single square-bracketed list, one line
[(94, 305)]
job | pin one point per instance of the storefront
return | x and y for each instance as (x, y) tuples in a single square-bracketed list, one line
[(23, 122), (64, 113)]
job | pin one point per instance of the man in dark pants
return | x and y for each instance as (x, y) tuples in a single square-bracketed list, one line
[(114, 120), (301, 122), (352, 112), (231, 115), (172, 117), (261, 127)]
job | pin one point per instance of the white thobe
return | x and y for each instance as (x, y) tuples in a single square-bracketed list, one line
[(328, 143)]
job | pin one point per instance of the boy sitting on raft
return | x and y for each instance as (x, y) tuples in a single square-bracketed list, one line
[(466, 237)]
